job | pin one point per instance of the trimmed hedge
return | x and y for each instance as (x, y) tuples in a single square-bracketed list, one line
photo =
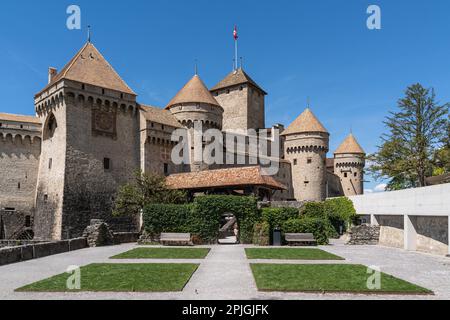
[(316, 226), (160, 218), (202, 218), (208, 209), (261, 234)]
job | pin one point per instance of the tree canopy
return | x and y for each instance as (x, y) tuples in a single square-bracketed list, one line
[(417, 143)]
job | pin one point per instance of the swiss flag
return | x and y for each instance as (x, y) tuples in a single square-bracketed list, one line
[(235, 33)]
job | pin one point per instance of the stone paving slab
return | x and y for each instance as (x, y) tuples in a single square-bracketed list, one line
[(225, 274)]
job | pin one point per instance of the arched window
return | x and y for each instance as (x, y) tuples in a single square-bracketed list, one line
[(50, 127)]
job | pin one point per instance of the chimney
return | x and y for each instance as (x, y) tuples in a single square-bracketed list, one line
[(52, 72)]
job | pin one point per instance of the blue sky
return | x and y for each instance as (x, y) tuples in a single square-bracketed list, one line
[(293, 49)]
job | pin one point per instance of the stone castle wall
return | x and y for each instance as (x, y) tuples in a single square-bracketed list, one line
[(19, 162)]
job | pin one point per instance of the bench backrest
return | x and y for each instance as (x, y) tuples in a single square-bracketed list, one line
[(176, 236), (299, 236)]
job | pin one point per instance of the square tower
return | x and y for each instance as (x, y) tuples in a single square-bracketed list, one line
[(243, 102)]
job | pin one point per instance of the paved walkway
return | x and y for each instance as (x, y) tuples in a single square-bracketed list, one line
[(225, 274)]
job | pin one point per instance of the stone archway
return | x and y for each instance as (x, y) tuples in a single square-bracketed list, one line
[(229, 229)]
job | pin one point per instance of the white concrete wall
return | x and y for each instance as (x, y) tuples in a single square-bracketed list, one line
[(428, 201), (431, 204)]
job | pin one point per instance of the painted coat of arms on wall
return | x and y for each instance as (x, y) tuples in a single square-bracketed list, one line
[(104, 123)]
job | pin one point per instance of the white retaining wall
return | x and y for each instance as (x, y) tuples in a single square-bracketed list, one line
[(425, 212)]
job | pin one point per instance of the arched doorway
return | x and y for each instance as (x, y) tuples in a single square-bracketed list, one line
[(229, 229)]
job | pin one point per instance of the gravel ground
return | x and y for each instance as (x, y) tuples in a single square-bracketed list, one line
[(225, 274)]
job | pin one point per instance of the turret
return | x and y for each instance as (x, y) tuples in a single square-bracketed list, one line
[(306, 146), (195, 104), (349, 162)]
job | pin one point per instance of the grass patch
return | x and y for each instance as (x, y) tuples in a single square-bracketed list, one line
[(164, 253), (121, 278), (290, 254), (327, 278)]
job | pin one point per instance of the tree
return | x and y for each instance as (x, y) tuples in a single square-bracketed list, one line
[(145, 189), (408, 152)]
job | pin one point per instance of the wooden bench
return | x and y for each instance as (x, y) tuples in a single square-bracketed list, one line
[(176, 239), (300, 239)]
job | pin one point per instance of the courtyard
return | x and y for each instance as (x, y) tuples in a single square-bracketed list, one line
[(224, 272)]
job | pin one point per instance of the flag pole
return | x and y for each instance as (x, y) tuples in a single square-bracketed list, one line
[(236, 37), (236, 54)]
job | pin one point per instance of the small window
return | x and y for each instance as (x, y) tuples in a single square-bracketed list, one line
[(27, 221), (21, 126), (121, 96), (309, 161), (45, 197), (83, 87), (153, 125), (103, 91), (10, 209), (295, 162), (1, 124), (228, 91), (241, 88), (50, 163), (163, 127), (306, 182), (166, 169), (355, 174), (18, 185), (346, 175), (106, 163)]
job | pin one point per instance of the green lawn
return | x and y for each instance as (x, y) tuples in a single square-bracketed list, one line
[(121, 278), (290, 254), (164, 253), (326, 278)]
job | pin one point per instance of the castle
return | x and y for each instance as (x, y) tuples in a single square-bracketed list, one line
[(63, 167)]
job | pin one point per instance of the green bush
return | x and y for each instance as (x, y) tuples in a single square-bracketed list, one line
[(314, 210), (202, 217), (208, 209), (340, 212), (167, 218), (261, 234), (317, 210), (275, 217), (316, 226)]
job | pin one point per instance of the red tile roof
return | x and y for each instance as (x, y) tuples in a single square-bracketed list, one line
[(232, 177)]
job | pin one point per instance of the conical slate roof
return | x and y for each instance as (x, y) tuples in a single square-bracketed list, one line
[(235, 78), (194, 91), (350, 145), (306, 122), (90, 67)]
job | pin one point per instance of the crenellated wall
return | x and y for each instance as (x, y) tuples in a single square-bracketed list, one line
[(307, 154), (20, 148)]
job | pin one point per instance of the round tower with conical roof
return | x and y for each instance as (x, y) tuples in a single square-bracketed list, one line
[(349, 163), (192, 105), (306, 146)]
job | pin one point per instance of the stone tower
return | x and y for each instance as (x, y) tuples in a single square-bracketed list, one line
[(242, 100), (193, 105), (349, 162), (306, 145), (90, 145)]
